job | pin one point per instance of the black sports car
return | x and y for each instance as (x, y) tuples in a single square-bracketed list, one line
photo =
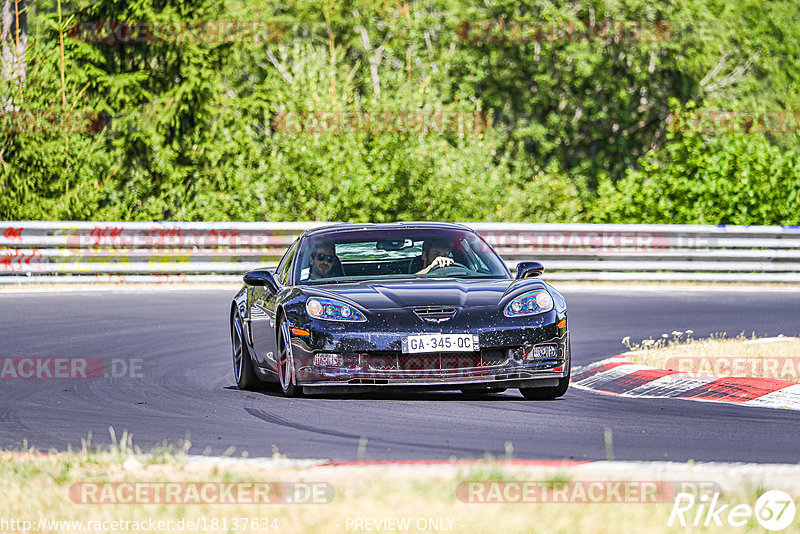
[(356, 307)]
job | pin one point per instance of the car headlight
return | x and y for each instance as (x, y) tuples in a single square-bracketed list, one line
[(332, 310), (530, 303)]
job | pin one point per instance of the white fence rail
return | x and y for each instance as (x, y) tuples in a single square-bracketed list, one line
[(184, 252)]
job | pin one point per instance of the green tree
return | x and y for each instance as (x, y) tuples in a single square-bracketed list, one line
[(702, 178)]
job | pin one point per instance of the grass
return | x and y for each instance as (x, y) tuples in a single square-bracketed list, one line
[(38, 486), (720, 355)]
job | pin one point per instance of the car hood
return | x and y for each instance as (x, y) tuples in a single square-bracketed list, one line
[(377, 294)]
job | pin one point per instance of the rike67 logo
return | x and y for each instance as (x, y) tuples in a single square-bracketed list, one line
[(774, 510)]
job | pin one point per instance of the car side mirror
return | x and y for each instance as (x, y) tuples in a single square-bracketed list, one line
[(261, 277), (529, 269)]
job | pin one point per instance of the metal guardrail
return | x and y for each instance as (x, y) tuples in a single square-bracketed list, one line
[(60, 252)]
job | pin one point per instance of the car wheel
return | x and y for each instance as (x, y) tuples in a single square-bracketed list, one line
[(553, 392), (243, 370), (286, 372)]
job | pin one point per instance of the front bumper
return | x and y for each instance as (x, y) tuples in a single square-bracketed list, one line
[(374, 360)]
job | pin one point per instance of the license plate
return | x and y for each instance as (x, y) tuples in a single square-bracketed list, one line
[(328, 360), (545, 352), (440, 343)]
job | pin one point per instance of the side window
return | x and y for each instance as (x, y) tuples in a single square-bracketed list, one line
[(285, 265)]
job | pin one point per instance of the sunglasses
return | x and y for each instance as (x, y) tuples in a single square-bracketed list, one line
[(321, 257)]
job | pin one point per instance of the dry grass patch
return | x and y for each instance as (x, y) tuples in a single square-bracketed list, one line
[(416, 498), (777, 358)]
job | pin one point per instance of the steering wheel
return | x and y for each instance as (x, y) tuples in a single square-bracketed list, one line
[(454, 264)]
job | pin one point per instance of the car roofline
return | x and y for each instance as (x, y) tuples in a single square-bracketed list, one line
[(411, 225)]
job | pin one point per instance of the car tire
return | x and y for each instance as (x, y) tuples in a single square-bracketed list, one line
[(243, 371), (287, 376), (553, 392)]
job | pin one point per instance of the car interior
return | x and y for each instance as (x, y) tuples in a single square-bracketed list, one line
[(386, 258)]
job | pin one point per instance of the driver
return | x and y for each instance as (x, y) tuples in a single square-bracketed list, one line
[(435, 254), (323, 257)]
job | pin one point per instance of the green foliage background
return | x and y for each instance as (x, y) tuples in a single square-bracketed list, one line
[(580, 130)]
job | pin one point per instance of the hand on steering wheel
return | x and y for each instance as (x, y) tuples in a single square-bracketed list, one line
[(443, 261), (439, 262)]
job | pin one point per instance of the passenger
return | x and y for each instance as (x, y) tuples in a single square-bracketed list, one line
[(323, 258)]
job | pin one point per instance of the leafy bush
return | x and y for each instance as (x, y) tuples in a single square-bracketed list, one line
[(707, 178)]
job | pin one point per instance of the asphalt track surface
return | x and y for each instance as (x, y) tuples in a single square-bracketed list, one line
[(186, 387)]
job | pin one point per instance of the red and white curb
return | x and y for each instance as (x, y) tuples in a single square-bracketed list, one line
[(618, 376)]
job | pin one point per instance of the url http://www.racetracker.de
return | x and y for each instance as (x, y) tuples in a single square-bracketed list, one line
[(200, 524)]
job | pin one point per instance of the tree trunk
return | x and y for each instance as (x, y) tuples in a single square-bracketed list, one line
[(14, 45)]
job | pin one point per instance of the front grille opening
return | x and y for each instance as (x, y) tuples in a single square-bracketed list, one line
[(391, 361)]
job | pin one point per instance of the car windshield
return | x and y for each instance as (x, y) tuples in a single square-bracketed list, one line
[(396, 253)]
